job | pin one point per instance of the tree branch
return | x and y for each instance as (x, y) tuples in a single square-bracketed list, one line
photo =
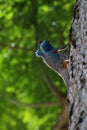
[(52, 88), (27, 105), (62, 122), (16, 47)]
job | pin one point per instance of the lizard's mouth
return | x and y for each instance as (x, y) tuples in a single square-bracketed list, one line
[(37, 54)]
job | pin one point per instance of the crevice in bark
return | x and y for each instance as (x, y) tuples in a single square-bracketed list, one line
[(80, 120), (71, 112)]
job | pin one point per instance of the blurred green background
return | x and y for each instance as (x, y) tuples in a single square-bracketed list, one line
[(24, 78)]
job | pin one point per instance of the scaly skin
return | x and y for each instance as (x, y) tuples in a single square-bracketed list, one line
[(54, 59)]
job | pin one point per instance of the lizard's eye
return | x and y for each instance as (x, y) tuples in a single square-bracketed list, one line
[(41, 41)]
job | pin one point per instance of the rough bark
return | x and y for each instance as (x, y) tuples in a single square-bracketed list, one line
[(77, 95), (62, 122)]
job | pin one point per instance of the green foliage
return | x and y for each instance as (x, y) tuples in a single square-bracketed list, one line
[(24, 23)]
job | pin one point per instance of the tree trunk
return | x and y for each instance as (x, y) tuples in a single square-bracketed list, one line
[(77, 94)]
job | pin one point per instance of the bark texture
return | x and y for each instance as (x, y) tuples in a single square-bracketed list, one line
[(77, 95)]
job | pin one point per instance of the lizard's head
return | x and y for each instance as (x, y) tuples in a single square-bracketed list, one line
[(43, 47)]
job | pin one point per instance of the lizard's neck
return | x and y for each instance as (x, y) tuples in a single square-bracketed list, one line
[(52, 63), (58, 67)]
